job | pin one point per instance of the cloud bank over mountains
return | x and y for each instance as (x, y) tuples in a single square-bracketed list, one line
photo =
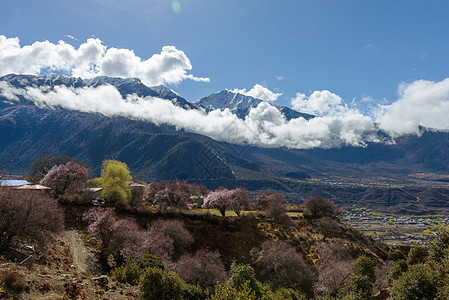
[(265, 126), (420, 103), (91, 59)]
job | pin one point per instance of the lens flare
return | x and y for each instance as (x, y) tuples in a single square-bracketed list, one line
[(176, 6)]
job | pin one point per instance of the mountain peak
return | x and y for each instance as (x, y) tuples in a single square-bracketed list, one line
[(241, 104)]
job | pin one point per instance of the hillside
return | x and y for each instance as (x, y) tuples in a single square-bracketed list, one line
[(72, 267)]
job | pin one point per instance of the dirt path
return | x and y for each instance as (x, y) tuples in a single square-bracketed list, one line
[(83, 258)]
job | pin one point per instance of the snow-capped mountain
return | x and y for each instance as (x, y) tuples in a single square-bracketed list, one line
[(240, 104), (126, 86)]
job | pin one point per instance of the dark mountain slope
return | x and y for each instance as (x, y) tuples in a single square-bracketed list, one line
[(150, 151)]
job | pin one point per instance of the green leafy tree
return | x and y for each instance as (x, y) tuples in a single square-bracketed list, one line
[(115, 179), (396, 271), (243, 273), (438, 248), (395, 255), (417, 254), (363, 278), (419, 283)]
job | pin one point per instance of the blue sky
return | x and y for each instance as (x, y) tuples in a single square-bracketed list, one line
[(355, 49)]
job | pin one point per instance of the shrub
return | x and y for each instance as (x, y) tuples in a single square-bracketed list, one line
[(317, 207), (134, 268), (73, 290), (163, 284), (286, 294), (27, 215), (204, 268), (226, 292), (70, 177)]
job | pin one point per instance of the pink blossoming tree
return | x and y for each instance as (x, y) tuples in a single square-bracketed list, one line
[(70, 177), (224, 199)]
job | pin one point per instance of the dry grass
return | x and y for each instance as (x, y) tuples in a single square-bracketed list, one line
[(13, 279)]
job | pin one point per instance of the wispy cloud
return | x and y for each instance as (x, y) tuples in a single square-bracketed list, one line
[(92, 58), (69, 36), (371, 47)]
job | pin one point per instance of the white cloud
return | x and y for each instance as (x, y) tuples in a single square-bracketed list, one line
[(420, 103), (259, 92), (265, 126), (319, 103), (92, 58)]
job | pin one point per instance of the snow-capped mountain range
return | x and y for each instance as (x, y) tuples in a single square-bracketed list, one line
[(238, 104)]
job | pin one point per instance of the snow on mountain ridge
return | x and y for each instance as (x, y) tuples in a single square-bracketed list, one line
[(241, 105)]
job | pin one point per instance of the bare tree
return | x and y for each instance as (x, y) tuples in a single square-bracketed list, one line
[(279, 264), (204, 268), (43, 163), (317, 207), (27, 215)]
